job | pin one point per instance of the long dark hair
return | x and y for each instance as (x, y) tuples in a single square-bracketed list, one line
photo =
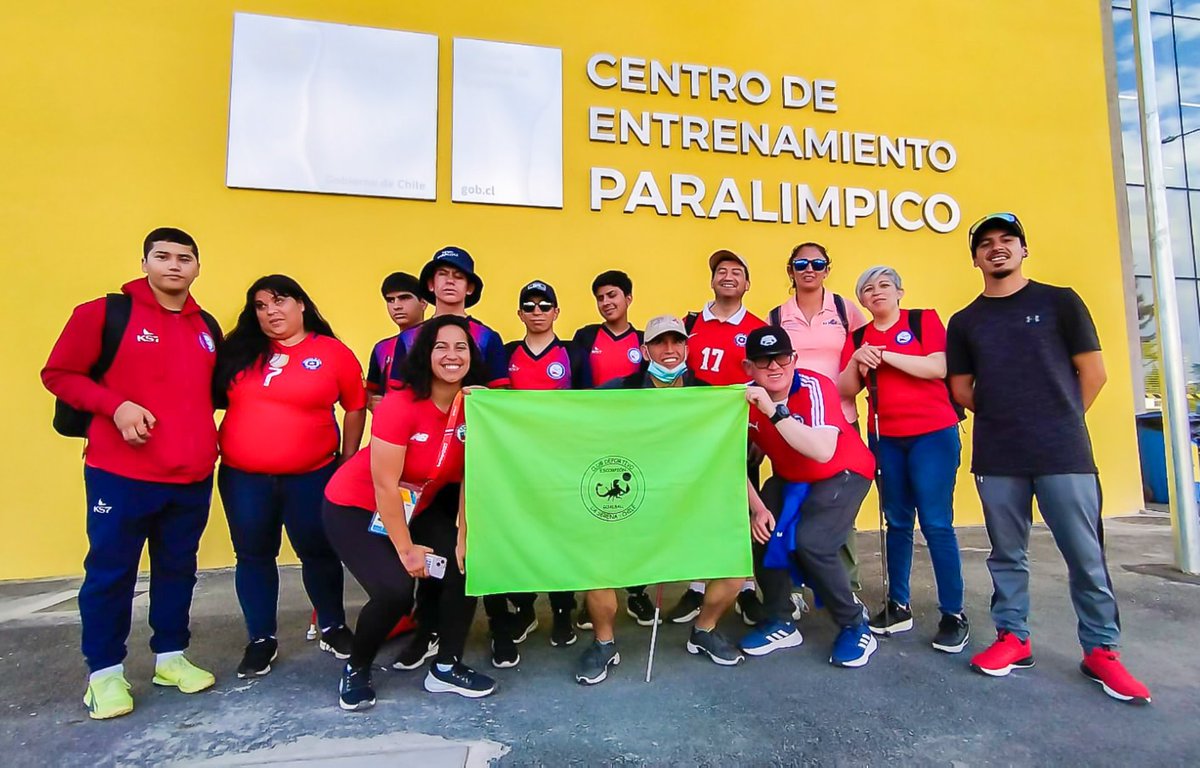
[(792, 257), (416, 370), (247, 345)]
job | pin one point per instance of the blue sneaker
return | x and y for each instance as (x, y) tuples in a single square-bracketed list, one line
[(771, 636), (854, 646)]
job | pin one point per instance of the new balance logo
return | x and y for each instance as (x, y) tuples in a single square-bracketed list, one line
[(420, 437), (147, 337), (101, 508)]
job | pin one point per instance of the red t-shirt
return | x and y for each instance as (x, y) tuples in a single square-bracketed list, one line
[(549, 369), (908, 405), (716, 348), (418, 426), (610, 357), (814, 401), (280, 419)]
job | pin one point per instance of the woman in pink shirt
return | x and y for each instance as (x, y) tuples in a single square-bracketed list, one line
[(818, 322)]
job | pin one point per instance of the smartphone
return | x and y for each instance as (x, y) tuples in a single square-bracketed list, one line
[(436, 566)]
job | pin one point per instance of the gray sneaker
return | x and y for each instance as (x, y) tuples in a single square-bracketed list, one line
[(713, 643), (593, 664)]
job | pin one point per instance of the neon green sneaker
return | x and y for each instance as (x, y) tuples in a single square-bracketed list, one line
[(108, 696), (178, 672)]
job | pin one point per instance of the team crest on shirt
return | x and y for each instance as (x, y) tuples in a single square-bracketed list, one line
[(556, 371), (612, 488), (635, 356), (740, 339), (904, 337), (461, 433), (311, 363), (207, 342)]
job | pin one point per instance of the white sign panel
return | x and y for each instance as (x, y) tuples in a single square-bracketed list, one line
[(317, 107), (507, 137)]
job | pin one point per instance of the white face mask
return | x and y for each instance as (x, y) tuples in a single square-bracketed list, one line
[(664, 374)]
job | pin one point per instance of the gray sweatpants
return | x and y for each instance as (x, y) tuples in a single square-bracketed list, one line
[(1070, 505)]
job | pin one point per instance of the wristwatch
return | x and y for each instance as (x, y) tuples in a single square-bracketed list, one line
[(781, 413)]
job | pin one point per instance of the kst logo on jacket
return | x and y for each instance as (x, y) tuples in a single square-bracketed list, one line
[(147, 337)]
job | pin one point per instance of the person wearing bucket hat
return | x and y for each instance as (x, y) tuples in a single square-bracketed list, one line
[(449, 282), (1025, 357), (822, 474)]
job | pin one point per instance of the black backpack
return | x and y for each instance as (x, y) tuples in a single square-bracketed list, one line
[(838, 303), (914, 325), (72, 422)]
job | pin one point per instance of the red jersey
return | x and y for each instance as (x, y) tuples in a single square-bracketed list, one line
[(604, 357), (280, 419), (420, 428), (814, 401), (716, 348), (550, 369), (908, 405), (165, 364)]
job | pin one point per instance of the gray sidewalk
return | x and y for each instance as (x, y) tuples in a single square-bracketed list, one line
[(910, 706)]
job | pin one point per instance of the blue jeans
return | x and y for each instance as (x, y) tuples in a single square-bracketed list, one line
[(258, 507), (122, 516), (917, 479)]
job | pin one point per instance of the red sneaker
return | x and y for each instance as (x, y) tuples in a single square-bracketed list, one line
[(1104, 666), (1009, 652)]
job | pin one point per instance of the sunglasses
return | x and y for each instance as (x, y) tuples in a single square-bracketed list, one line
[(1011, 218), (781, 360), (818, 265), (529, 306)]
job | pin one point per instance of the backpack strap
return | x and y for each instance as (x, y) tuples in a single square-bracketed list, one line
[(214, 328), (689, 321), (117, 309), (858, 336), (774, 316), (914, 323), (840, 305)]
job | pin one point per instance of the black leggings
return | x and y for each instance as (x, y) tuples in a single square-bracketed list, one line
[(374, 562)]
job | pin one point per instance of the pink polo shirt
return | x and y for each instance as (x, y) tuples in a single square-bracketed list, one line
[(819, 343)]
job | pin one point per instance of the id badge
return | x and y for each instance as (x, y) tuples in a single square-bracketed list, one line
[(409, 496)]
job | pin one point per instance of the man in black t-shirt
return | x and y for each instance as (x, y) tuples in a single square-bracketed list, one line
[(1025, 357)]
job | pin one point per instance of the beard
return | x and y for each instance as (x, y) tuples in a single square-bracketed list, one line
[(1003, 272)]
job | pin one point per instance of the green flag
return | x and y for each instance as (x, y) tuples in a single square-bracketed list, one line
[(577, 490)]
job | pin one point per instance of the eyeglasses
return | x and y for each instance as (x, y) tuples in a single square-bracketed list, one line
[(818, 265), (529, 306), (1011, 218), (781, 360)]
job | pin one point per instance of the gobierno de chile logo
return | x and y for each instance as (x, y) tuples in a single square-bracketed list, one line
[(612, 488)]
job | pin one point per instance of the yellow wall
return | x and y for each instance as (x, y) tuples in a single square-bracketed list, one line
[(115, 119)]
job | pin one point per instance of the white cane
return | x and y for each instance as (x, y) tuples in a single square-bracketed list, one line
[(654, 631)]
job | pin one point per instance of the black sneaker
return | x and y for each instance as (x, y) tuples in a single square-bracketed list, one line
[(893, 619), (687, 609), (337, 640), (524, 621), (593, 664), (583, 621), (750, 607), (421, 646), (953, 633), (713, 643), (639, 607), (504, 651), (561, 634), (459, 679), (355, 692), (258, 657)]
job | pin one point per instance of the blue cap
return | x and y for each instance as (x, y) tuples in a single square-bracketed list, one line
[(452, 256)]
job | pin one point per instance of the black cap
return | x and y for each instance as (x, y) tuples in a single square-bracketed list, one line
[(1004, 221), (768, 341), (538, 288), (401, 282), (458, 258)]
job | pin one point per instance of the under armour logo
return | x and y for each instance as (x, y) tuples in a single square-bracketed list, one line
[(1031, 319)]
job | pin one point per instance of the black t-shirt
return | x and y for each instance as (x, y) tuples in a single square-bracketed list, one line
[(1028, 404)]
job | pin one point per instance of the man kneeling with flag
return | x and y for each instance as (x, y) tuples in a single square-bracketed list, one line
[(665, 348), (809, 444)]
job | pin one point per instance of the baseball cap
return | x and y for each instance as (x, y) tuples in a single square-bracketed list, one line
[(767, 341), (663, 324), (538, 288), (1005, 221), (458, 258), (725, 254)]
